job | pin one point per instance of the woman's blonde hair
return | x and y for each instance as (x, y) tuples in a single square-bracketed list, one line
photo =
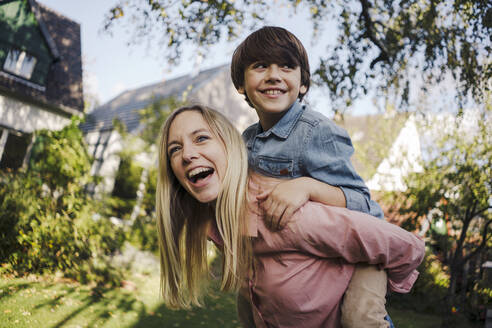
[(182, 221)]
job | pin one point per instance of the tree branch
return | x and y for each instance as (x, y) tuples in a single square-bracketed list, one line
[(458, 253), (482, 244), (370, 34), (480, 211)]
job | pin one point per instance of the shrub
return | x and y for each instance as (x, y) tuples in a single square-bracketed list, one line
[(143, 234), (46, 218), (429, 289)]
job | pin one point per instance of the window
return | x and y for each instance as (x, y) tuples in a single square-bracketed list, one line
[(19, 63), (13, 147)]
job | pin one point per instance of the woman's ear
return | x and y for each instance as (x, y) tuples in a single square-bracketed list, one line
[(240, 90)]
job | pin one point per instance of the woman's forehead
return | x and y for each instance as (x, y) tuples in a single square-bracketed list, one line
[(187, 122)]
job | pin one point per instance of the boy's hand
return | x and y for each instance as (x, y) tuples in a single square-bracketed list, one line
[(288, 196), (281, 203)]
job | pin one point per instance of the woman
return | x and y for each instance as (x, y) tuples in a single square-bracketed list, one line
[(204, 192)]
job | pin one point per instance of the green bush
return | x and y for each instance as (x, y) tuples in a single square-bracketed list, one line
[(429, 290), (143, 234), (127, 178), (46, 218), (117, 207)]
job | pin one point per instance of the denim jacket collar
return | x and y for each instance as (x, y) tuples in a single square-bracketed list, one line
[(286, 124)]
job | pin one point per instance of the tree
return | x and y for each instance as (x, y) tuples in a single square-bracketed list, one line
[(133, 185), (154, 115), (382, 44), (453, 193)]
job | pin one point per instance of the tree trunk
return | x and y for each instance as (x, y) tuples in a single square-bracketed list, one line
[(464, 286), (449, 300)]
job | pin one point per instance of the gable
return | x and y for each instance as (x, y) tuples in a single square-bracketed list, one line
[(24, 51), (372, 137), (40, 38)]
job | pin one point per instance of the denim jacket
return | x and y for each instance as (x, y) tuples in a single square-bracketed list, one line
[(306, 143)]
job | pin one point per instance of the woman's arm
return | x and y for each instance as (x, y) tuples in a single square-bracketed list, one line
[(328, 231)]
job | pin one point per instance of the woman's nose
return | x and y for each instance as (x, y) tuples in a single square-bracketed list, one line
[(189, 153)]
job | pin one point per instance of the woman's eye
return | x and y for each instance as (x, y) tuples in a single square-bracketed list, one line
[(172, 150), (202, 138), (259, 65)]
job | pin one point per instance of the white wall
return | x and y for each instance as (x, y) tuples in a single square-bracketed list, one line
[(27, 118), (403, 158)]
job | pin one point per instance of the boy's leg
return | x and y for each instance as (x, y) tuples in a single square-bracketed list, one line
[(365, 298), (244, 311)]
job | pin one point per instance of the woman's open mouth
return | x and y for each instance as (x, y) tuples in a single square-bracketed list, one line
[(199, 173)]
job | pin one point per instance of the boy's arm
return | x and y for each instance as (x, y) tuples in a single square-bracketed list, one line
[(327, 158), (288, 196)]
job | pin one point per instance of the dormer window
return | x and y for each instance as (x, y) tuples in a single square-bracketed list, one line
[(19, 63)]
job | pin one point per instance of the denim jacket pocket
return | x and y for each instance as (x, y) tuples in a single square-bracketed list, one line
[(274, 166)]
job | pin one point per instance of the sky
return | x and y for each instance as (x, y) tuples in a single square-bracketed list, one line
[(111, 67)]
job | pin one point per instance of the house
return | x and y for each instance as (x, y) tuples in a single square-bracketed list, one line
[(40, 76), (387, 147), (212, 87), (390, 146)]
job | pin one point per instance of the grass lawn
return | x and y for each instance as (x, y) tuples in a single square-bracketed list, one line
[(411, 319), (28, 303)]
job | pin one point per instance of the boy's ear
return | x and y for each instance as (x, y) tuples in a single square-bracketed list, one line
[(302, 89), (240, 90)]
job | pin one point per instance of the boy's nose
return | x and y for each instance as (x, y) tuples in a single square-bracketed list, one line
[(273, 73)]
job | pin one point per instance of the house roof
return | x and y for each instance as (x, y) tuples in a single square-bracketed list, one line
[(63, 91), (126, 105), (372, 137), (44, 29)]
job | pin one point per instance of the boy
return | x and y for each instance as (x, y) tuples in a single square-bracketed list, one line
[(270, 68)]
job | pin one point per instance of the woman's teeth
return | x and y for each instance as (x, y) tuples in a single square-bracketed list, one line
[(199, 173)]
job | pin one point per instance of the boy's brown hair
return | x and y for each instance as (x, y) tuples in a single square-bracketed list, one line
[(271, 45)]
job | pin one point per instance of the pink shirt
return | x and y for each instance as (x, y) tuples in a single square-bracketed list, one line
[(300, 273)]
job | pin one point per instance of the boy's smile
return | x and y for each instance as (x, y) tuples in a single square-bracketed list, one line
[(272, 89)]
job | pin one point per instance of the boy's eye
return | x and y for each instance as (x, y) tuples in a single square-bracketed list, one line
[(287, 66), (259, 65)]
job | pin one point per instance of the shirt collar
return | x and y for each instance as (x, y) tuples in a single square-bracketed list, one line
[(286, 124)]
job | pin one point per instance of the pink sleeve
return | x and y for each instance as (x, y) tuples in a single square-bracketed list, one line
[(328, 231)]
